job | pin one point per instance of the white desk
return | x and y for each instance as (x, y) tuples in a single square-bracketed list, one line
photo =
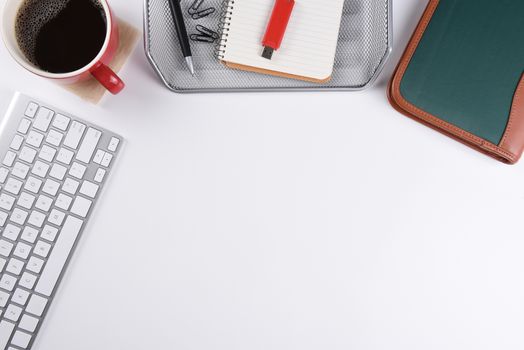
[(287, 221)]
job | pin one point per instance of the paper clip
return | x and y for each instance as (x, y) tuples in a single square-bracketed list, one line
[(206, 31), (195, 6), (203, 13), (195, 12), (202, 38), (205, 35)]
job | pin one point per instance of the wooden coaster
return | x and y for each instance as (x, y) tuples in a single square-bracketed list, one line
[(91, 90)]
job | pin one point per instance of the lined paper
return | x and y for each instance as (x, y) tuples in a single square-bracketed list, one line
[(309, 45)]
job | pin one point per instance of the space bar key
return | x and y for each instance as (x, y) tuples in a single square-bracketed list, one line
[(59, 254)]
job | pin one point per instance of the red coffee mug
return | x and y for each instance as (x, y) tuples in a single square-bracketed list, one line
[(97, 67)]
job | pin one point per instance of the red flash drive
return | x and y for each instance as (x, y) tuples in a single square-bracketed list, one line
[(277, 26)]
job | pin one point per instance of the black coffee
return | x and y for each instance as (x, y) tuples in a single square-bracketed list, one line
[(61, 36)]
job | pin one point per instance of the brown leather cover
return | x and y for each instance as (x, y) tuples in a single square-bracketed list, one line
[(510, 148), (514, 135)]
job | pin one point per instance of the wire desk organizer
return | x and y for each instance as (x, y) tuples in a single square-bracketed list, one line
[(365, 43)]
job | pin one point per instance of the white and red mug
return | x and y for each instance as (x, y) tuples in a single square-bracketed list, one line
[(98, 67)]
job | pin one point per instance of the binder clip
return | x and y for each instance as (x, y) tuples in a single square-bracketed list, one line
[(195, 12), (205, 35)]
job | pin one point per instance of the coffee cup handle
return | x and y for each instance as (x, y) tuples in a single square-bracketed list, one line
[(108, 78)]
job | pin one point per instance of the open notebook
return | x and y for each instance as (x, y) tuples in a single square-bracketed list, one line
[(309, 46)]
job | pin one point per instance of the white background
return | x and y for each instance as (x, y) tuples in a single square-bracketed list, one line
[(283, 221)]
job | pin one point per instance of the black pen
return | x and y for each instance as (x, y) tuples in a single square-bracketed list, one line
[(181, 31)]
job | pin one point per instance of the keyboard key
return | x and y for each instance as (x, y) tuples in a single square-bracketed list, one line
[(29, 234), (3, 298), (81, 206), (13, 186), (36, 305), (77, 170), (99, 156), (9, 158), (99, 176), (70, 186), (3, 175), (6, 329), (35, 264), (42, 249), (43, 119), (58, 171), (47, 153), (74, 135), (44, 202), (7, 282), (28, 323), (54, 138), (20, 296), (28, 154), (22, 250), (65, 156), (21, 339), (61, 122), (33, 184), (59, 255), (49, 233), (17, 142), (28, 280), (19, 216), (3, 218), (89, 189), (26, 200), (5, 248), (106, 161), (20, 170), (11, 232), (51, 187), (56, 217), (7, 202), (35, 139), (24, 126), (88, 146), (31, 110), (36, 219), (13, 312), (113, 144), (40, 169), (15, 266), (63, 201), (3, 263)]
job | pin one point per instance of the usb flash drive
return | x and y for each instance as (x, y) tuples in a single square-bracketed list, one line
[(276, 27)]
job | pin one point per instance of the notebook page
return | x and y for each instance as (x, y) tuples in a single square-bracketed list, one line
[(309, 45)]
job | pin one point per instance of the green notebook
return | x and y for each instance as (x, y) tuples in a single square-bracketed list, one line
[(462, 74)]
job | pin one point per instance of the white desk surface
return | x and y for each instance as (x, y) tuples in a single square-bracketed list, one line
[(286, 221)]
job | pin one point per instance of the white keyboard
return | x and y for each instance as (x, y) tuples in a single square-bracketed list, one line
[(52, 172)]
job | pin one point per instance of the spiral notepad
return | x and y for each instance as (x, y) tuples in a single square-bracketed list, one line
[(307, 51)]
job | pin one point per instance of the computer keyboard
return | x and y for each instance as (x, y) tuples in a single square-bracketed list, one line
[(52, 172)]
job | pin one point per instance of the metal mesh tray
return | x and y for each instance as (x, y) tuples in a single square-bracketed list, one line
[(364, 45)]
